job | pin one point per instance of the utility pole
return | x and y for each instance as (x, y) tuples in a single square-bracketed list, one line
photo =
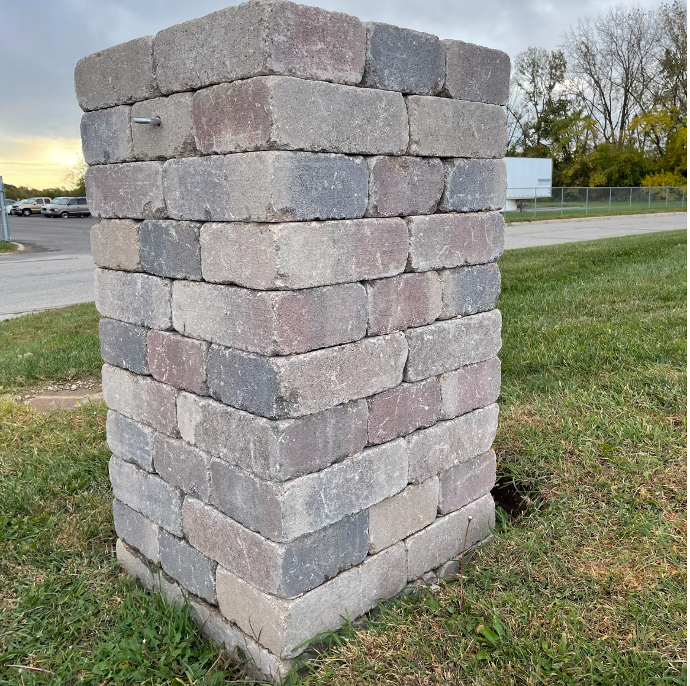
[(3, 211)]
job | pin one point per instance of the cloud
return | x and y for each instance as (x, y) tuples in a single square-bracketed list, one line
[(41, 43)]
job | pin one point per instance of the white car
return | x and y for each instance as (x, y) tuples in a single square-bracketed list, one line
[(8, 205)]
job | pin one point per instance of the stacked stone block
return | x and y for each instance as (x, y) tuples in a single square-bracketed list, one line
[(298, 283)]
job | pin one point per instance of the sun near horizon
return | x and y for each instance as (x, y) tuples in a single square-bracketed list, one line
[(38, 162)]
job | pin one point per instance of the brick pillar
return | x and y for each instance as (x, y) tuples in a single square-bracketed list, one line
[(297, 278)]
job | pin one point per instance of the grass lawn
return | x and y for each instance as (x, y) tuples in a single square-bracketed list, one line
[(6, 246), (578, 212), (586, 586)]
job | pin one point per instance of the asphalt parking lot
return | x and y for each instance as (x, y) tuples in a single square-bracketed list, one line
[(55, 270)]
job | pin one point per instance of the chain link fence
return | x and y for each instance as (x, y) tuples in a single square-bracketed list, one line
[(523, 203)]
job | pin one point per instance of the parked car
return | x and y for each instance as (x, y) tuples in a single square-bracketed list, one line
[(29, 206), (8, 204), (66, 207)]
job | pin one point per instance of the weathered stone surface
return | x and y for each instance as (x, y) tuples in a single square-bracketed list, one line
[(470, 388), (441, 127), (467, 482), (454, 240), (106, 136), (130, 440), (271, 322), (403, 60), (403, 301), (468, 290), (257, 38), (178, 361), (474, 185), (148, 494), (443, 540), (303, 255), (268, 113), (273, 450), (115, 76), (283, 626), (266, 187), (123, 345), (134, 565), (404, 409), (170, 248), (115, 244), (450, 443), (444, 346), (476, 73), (280, 387), (261, 664), (140, 398), (284, 570), (137, 530), (126, 191), (285, 511), (183, 466), (193, 570), (396, 518), (134, 298), (404, 186), (175, 135)]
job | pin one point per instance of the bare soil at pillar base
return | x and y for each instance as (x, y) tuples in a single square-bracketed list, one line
[(585, 583)]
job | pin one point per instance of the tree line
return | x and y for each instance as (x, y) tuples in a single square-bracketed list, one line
[(610, 104)]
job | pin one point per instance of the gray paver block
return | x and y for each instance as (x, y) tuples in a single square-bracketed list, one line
[(470, 387), (404, 186), (115, 76), (174, 137), (268, 113), (183, 466), (137, 530), (447, 345), (266, 187), (178, 361), (193, 570), (283, 626), (276, 450), (130, 440), (286, 511), (469, 290), (474, 185), (404, 409), (126, 191), (441, 127), (442, 241), (115, 244), (444, 539), (140, 398), (281, 387), (134, 298), (303, 255), (170, 248), (148, 494), (106, 136), (257, 38), (477, 73), (403, 60), (123, 345), (404, 301), (450, 443), (285, 570), (271, 322), (403, 514), (466, 482)]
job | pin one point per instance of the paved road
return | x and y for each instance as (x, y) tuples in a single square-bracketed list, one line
[(531, 234), (56, 270)]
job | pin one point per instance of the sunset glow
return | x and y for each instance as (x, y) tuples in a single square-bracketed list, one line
[(37, 162)]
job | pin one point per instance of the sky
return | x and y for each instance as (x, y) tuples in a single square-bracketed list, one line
[(41, 41)]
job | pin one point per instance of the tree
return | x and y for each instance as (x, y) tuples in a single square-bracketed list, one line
[(615, 66), (74, 178)]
